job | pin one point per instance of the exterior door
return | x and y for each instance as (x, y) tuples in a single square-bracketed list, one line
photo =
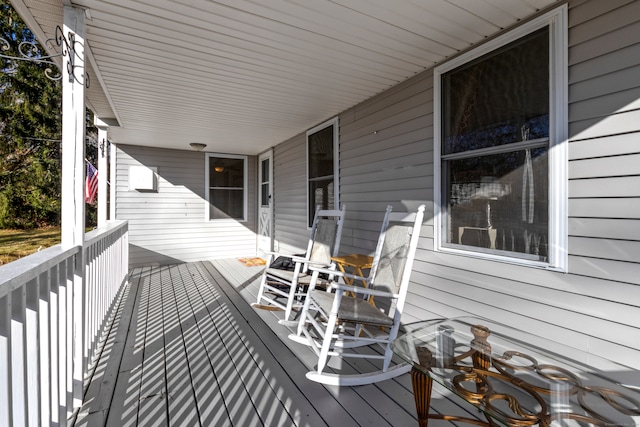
[(265, 203)]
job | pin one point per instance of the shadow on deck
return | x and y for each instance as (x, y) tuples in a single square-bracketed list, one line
[(184, 348)]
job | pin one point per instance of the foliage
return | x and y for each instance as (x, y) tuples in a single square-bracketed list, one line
[(30, 129)]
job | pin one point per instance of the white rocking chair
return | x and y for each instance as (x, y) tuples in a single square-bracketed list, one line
[(336, 324), (285, 289)]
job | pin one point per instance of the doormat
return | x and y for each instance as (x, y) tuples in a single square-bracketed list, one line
[(252, 262)]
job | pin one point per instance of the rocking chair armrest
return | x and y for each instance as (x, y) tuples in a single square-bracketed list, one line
[(298, 259), (362, 290), (294, 258), (302, 260), (337, 273), (321, 266)]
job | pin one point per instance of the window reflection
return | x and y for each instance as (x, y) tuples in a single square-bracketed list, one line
[(226, 187), (506, 193), (495, 150), (320, 159)]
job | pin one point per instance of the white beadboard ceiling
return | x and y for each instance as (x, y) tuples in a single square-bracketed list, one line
[(244, 75)]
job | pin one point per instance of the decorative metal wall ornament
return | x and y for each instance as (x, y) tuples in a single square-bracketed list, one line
[(29, 51), (104, 147)]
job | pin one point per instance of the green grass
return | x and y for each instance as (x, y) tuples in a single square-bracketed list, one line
[(16, 244)]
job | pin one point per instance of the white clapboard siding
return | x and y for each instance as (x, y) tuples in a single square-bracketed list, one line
[(621, 144), (605, 187), (624, 122), (605, 208), (168, 225), (290, 196), (384, 159), (611, 166), (608, 102), (605, 228)]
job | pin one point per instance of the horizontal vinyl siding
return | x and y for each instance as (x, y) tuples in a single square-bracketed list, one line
[(168, 226), (604, 169), (386, 157), (290, 196)]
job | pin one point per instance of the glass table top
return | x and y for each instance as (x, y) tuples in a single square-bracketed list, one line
[(519, 379)]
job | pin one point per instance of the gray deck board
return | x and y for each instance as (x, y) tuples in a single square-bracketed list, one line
[(131, 359), (287, 389), (184, 348)]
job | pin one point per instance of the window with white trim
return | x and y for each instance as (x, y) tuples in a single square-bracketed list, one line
[(322, 168), (226, 185), (500, 147)]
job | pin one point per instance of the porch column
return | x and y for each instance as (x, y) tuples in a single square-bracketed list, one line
[(73, 177), (112, 190), (73, 132), (103, 171)]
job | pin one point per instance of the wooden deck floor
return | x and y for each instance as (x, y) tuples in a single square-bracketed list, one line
[(184, 348)]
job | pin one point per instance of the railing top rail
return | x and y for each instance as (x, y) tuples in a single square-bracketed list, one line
[(110, 227), (18, 272)]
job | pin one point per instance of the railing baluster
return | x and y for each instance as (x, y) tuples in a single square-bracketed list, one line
[(54, 348), (32, 338), (39, 309), (18, 365), (78, 331), (44, 332), (5, 362), (66, 338)]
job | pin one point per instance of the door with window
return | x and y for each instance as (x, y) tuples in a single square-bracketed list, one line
[(265, 208)]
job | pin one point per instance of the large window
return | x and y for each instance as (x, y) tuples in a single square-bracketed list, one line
[(226, 187), (322, 167), (501, 147)]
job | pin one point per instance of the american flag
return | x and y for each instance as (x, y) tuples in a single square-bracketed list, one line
[(91, 186)]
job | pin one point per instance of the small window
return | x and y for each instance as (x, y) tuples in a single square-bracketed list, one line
[(322, 167), (265, 174), (226, 187), (500, 113)]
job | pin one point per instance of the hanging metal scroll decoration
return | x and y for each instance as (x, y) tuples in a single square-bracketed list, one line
[(104, 146), (68, 46)]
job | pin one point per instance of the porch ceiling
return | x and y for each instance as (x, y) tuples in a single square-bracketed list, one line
[(244, 75)]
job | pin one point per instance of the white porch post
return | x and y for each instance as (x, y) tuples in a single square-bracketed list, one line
[(73, 177), (103, 171), (112, 192), (73, 136)]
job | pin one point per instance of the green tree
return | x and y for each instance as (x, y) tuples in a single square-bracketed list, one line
[(30, 129)]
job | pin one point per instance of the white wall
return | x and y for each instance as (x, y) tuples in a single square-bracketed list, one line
[(168, 225)]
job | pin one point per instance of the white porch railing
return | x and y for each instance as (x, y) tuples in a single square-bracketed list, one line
[(52, 302), (106, 261)]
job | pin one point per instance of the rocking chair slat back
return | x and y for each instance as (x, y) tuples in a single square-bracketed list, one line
[(284, 289)]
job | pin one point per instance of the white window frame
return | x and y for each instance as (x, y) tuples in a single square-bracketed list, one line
[(557, 22), (336, 180), (207, 213)]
